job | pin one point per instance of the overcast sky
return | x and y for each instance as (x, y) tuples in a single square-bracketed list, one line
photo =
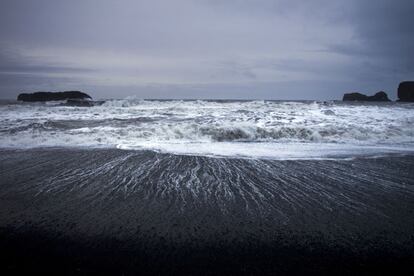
[(257, 49)]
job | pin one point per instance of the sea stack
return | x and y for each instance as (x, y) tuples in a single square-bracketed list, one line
[(52, 96), (406, 91), (355, 96)]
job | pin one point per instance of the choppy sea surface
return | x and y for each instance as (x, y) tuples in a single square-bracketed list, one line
[(251, 129)]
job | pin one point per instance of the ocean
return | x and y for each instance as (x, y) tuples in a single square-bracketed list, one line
[(207, 187), (251, 129)]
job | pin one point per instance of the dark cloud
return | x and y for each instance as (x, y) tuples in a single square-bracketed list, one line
[(383, 33)]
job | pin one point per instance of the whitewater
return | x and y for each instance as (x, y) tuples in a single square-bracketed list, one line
[(247, 129)]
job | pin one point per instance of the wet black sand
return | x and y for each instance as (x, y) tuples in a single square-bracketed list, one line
[(127, 212)]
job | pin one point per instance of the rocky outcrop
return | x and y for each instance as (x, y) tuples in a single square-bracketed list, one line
[(354, 97), (378, 97), (52, 96), (406, 91)]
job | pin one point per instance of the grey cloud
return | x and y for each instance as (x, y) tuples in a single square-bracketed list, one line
[(242, 48), (233, 67), (384, 34), (14, 62)]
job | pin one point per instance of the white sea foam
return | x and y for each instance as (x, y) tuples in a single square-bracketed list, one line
[(234, 128)]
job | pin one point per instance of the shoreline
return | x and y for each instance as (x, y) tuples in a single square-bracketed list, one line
[(282, 152), (72, 211)]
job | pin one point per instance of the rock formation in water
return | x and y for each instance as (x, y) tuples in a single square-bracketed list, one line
[(355, 96), (378, 97), (406, 91), (52, 96)]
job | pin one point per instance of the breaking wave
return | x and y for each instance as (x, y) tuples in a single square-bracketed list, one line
[(230, 128)]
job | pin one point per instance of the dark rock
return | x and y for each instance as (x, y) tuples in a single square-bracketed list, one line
[(378, 97), (354, 97), (84, 103), (52, 96), (406, 91)]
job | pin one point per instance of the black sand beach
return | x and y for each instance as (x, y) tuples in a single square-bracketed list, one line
[(72, 211)]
